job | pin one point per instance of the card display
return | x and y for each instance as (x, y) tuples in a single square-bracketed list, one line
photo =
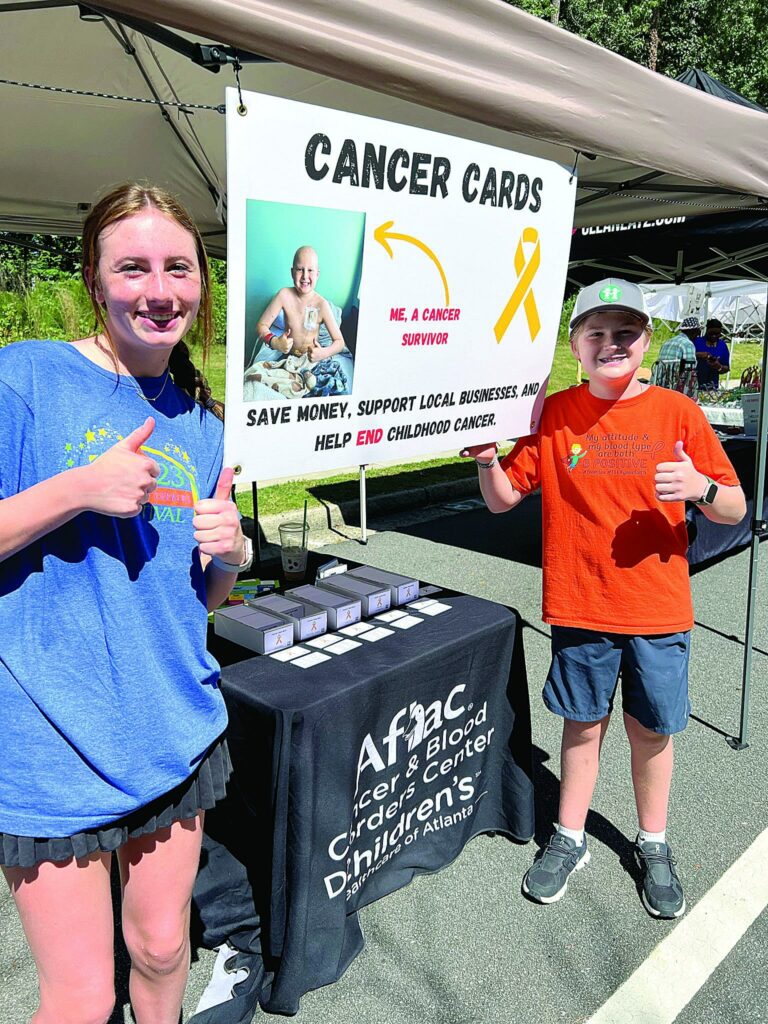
[(403, 589), (289, 654), (407, 622), (321, 642), (356, 629), (373, 596), (377, 634), (343, 646), (314, 658), (436, 608), (390, 616)]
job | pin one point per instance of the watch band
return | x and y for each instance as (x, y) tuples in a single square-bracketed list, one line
[(245, 564), (710, 493)]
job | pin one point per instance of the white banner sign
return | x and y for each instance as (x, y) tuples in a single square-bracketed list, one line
[(392, 291)]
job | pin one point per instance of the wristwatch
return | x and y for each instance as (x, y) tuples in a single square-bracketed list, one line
[(710, 493), (245, 564)]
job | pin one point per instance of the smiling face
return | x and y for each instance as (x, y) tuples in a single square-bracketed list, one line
[(305, 270), (148, 281), (611, 347)]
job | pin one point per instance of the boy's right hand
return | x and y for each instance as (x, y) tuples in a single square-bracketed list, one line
[(119, 482), (483, 452), (286, 341)]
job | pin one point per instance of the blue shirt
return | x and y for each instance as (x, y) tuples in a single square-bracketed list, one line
[(709, 377), (108, 697)]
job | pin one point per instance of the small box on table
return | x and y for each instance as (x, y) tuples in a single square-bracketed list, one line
[(254, 629), (402, 589), (342, 609), (307, 621), (374, 597)]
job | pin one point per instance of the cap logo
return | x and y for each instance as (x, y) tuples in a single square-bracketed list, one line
[(610, 293)]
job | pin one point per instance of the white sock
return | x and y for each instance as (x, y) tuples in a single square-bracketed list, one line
[(651, 837), (576, 834)]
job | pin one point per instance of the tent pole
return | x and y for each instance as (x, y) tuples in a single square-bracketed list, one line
[(256, 531), (363, 508), (733, 338), (759, 529)]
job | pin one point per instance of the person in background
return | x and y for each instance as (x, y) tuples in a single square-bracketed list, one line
[(616, 460), (117, 535), (675, 367), (712, 355)]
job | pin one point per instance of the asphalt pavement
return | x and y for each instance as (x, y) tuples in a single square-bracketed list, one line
[(464, 946)]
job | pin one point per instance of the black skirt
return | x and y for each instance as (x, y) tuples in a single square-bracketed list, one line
[(199, 792)]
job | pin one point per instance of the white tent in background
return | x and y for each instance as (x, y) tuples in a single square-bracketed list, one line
[(739, 305)]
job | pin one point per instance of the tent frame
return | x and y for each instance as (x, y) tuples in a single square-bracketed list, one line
[(759, 530)]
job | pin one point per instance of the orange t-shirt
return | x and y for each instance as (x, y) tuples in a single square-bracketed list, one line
[(614, 557)]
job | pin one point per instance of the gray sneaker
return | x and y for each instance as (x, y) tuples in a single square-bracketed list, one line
[(662, 893), (547, 878)]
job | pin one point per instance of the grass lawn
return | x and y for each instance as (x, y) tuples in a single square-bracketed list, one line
[(277, 498)]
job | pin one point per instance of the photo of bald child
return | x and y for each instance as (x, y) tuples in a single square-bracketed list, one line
[(299, 336)]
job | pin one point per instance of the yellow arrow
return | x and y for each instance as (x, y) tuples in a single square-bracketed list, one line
[(382, 234), (523, 293)]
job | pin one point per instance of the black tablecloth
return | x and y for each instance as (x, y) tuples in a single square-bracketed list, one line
[(709, 541), (350, 778)]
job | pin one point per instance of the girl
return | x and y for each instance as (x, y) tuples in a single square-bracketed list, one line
[(117, 534)]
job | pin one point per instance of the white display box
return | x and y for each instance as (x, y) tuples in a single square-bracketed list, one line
[(402, 589), (342, 610), (254, 629), (373, 597), (307, 622)]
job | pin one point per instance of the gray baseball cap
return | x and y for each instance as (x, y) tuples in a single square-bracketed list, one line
[(609, 295)]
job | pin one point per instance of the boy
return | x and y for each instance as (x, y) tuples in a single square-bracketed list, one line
[(616, 460), (304, 312)]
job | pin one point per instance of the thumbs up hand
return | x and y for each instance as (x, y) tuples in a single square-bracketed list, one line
[(284, 343), (217, 524), (679, 480), (119, 482)]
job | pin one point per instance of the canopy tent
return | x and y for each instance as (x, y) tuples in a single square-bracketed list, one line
[(644, 147), (713, 248), (675, 249), (700, 80), (739, 305), (478, 68)]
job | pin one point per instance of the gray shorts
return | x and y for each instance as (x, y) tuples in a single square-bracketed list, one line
[(585, 670)]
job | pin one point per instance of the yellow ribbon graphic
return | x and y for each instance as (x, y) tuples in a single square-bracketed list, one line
[(523, 293)]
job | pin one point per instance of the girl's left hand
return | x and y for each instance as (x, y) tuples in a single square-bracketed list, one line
[(217, 523)]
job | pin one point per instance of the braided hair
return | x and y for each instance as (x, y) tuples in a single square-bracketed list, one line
[(124, 201), (187, 377)]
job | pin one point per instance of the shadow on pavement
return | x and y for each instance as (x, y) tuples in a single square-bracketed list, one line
[(515, 535)]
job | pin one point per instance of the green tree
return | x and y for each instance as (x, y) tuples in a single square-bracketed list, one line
[(722, 37), (27, 259)]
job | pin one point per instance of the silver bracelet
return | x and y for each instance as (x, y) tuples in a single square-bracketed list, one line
[(488, 465)]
